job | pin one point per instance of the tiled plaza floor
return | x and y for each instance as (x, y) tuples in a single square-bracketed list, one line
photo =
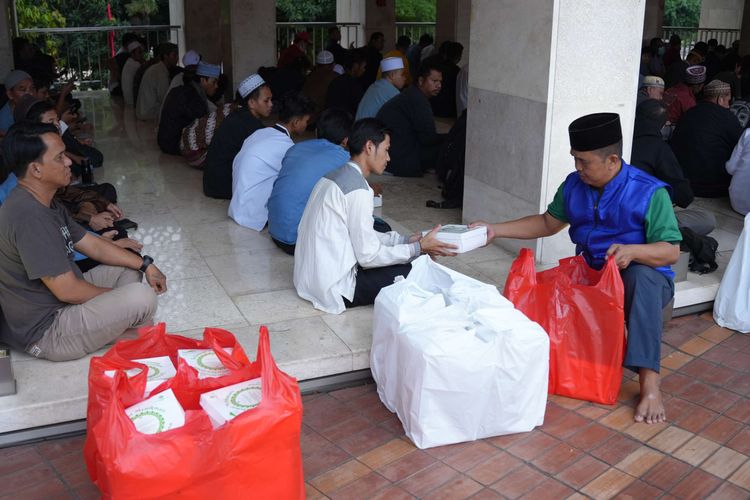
[(354, 448)]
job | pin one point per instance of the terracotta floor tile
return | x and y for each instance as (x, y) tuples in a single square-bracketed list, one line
[(696, 392), (720, 400), (487, 494), (494, 468), (676, 360), (52, 488), (470, 456), (504, 442), (340, 476), (724, 462), (566, 425), (591, 411), (346, 428), (582, 472), (428, 479), (313, 494), (569, 403), (386, 453), (352, 392), (61, 447), (675, 383), (391, 493), (719, 375), (441, 452), (740, 410), (670, 439), (718, 354), (311, 442), (737, 341), (329, 417), (520, 481), (739, 361), (697, 484), (620, 419), (533, 446), (697, 367), (639, 490), (696, 450), (393, 425), (361, 488), (323, 460), (629, 390), (615, 449), (707, 316), (41, 474), (696, 419), (460, 487), (667, 473), (87, 492), (608, 484), (409, 464), (739, 384), (741, 441), (557, 458), (717, 334), (728, 491), (71, 469), (742, 476), (590, 437), (549, 488), (676, 333), (643, 432), (365, 441), (23, 459), (641, 460), (721, 430)]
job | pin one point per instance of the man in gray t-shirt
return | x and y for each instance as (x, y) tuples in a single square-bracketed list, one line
[(50, 309)]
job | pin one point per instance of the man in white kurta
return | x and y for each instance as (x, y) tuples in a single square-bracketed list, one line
[(155, 84), (254, 170), (129, 70), (340, 260)]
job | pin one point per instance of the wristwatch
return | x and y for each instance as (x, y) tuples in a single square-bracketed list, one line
[(147, 261)]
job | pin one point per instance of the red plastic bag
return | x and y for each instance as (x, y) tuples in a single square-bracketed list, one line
[(257, 454), (582, 310)]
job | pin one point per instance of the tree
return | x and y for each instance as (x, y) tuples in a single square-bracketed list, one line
[(32, 14), (683, 13), (415, 10), (309, 10)]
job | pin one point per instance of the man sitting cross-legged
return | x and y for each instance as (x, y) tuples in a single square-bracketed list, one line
[(50, 309)]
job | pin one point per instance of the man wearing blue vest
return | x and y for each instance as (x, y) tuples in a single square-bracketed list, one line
[(619, 211)]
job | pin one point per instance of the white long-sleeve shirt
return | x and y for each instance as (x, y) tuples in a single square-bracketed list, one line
[(126, 80), (254, 170), (738, 166), (336, 235)]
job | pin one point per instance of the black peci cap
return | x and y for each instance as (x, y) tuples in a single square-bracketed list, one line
[(595, 131)]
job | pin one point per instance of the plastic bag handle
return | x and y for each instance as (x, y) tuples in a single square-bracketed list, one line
[(611, 281), (268, 369), (217, 339)]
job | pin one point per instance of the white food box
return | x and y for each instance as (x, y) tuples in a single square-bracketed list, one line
[(377, 201), (160, 369), (157, 414), (464, 237), (222, 405), (205, 361)]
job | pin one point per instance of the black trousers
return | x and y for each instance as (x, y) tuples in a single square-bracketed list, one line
[(371, 281)]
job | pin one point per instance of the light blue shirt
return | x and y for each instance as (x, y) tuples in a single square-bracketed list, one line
[(303, 166), (6, 117), (377, 94)]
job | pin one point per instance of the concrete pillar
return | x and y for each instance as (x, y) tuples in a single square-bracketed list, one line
[(351, 11), (533, 71), (252, 24), (721, 14), (653, 19), (453, 22), (202, 29), (745, 29), (177, 18), (380, 15), (6, 37)]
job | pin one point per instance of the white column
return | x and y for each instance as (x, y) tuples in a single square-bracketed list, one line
[(351, 11), (252, 25), (721, 14), (6, 38), (533, 71), (177, 18)]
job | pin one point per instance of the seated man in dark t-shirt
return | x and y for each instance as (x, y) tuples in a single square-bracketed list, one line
[(255, 103), (50, 309)]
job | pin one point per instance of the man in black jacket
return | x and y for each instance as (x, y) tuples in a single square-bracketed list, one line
[(652, 155), (414, 142)]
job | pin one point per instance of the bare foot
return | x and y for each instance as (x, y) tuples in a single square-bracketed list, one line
[(650, 409)]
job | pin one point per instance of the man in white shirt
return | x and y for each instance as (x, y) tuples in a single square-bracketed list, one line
[(257, 165), (129, 70), (155, 83), (340, 260)]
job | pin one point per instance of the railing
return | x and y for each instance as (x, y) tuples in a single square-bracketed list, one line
[(82, 54), (690, 36), (285, 31), (415, 30)]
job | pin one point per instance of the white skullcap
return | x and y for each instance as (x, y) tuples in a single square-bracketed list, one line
[(133, 45), (337, 68), (191, 58), (250, 84), (391, 64), (324, 57)]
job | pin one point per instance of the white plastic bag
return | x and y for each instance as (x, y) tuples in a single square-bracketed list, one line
[(732, 303), (455, 360)]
